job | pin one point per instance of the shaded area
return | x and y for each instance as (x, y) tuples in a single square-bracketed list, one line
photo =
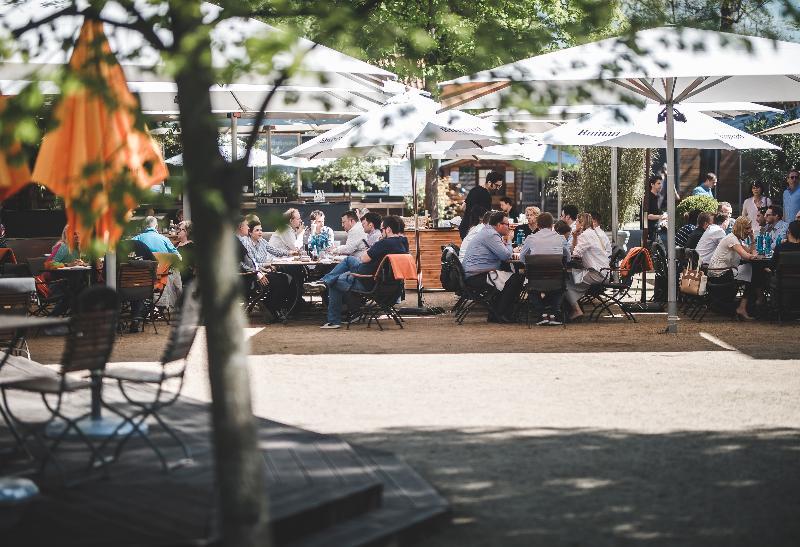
[(554, 487), (318, 485)]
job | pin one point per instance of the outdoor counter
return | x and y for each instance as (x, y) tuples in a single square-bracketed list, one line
[(431, 242)]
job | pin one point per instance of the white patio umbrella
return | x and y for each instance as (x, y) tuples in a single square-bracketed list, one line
[(395, 130), (534, 152), (792, 127), (631, 127), (258, 158), (666, 65)]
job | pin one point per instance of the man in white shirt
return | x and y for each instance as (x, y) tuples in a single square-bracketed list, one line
[(597, 225), (711, 237), (356, 242), (568, 214)]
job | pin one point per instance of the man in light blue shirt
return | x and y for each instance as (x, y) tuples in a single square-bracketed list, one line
[(155, 241), (776, 226), (705, 188), (485, 254), (791, 196)]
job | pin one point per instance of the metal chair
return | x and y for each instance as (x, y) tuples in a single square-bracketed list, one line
[(14, 303), (616, 286), (381, 298), (88, 346), (786, 285), (136, 284), (543, 274), (170, 373), (470, 296)]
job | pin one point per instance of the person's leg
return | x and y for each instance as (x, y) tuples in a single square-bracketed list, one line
[(509, 296), (336, 292), (552, 300), (349, 264)]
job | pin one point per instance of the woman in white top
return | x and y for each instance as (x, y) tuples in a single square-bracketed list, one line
[(289, 237), (724, 264), (751, 205), (590, 248)]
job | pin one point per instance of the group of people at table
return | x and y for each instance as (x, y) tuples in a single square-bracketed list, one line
[(370, 237), (745, 249), (144, 246)]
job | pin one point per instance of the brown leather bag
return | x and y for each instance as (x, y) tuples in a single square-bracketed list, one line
[(693, 282)]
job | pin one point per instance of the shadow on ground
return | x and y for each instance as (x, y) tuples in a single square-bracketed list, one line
[(556, 487)]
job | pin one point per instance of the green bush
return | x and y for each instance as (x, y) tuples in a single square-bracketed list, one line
[(704, 204), (280, 182)]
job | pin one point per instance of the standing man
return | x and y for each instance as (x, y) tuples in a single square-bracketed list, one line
[(791, 196), (480, 195), (705, 188)]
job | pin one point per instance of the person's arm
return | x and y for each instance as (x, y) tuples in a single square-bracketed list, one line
[(355, 242), (275, 251), (503, 251), (742, 252)]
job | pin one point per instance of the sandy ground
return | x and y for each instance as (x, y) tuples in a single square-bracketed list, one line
[(597, 434)]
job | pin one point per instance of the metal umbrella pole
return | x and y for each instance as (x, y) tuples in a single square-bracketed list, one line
[(412, 156), (672, 303)]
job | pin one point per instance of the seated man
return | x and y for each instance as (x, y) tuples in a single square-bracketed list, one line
[(371, 222), (483, 259), (289, 237), (704, 220), (340, 282), (711, 237), (356, 243), (546, 242), (776, 227), (155, 241)]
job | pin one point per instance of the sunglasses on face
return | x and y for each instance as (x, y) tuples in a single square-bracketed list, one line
[(792, 176)]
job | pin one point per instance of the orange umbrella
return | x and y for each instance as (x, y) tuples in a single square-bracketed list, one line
[(13, 176), (97, 158)]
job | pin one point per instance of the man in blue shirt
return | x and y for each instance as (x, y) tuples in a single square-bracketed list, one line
[(155, 241), (393, 242), (484, 257), (791, 196), (705, 188)]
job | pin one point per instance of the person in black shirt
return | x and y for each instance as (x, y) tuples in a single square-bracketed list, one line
[(507, 206), (703, 222), (531, 227), (654, 213), (792, 243), (392, 242), (480, 196)]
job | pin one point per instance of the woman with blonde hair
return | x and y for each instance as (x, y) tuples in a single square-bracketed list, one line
[(587, 245), (724, 266)]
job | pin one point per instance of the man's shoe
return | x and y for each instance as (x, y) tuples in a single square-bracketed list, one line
[(544, 321), (554, 321), (331, 326)]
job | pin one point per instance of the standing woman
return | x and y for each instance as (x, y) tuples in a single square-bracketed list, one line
[(588, 246), (751, 205)]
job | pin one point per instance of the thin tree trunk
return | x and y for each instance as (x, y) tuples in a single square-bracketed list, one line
[(215, 202), (432, 190), (726, 19)]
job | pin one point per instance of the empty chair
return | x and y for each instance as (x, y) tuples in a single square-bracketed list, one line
[(169, 374)]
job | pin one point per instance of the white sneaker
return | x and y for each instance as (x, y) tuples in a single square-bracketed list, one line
[(331, 326), (554, 321), (544, 321)]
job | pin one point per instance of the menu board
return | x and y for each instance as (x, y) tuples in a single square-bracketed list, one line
[(400, 178)]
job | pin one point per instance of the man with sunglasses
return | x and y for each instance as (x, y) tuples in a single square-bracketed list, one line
[(791, 196)]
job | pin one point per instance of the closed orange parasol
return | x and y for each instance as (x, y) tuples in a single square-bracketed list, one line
[(13, 175), (98, 158)]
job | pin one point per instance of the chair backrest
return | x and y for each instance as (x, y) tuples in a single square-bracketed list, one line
[(136, 279), (183, 333), (16, 270), (14, 302), (36, 264), (7, 256), (788, 270), (166, 262), (404, 267), (92, 330), (545, 272)]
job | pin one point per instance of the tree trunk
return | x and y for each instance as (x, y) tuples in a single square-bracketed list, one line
[(726, 16), (432, 190), (214, 191)]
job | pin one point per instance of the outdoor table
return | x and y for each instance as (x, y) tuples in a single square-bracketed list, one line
[(77, 278), (17, 284)]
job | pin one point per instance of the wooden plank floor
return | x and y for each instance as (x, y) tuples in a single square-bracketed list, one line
[(138, 504)]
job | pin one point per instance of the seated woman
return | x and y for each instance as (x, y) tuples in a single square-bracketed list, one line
[(258, 255), (320, 237), (289, 237), (186, 250), (589, 247), (724, 266), (61, 255)]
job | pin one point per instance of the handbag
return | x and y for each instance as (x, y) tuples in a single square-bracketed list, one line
[(693, 282)]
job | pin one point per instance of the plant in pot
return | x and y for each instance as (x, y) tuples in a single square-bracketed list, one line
[(351, 173)]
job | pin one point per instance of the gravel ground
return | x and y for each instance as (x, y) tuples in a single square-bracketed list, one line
[(597, 434)]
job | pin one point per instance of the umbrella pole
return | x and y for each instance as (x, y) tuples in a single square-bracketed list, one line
[(614, 201), (412, 156), (672, 304), (558, 184)]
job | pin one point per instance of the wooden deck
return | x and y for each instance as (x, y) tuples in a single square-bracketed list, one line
[(322, 491)]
